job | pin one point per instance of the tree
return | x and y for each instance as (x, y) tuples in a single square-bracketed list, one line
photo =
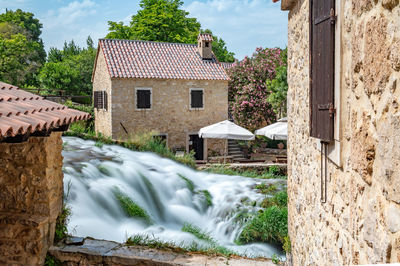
[(22, 52), (219, 48), (279, 87), (69, 69), (158, 20), (247, 90)]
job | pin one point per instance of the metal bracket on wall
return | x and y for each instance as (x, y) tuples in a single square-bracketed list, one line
[(324, 171)]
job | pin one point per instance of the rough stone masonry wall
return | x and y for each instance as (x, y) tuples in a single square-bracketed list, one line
[(102, 82), (360, 223), (31, 192), (170, 113)]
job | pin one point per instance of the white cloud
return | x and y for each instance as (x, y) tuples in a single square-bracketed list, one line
[(70, 15), (243, 24)]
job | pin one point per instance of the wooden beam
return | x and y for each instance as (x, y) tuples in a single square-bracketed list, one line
[(287, 4)]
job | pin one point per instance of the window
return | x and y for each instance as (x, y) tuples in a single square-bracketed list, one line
[(100, 100), (207, 44), (322, 69), (196, 98), (143, 99)]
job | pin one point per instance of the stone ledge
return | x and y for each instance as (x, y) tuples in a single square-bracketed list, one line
[(102, 252)]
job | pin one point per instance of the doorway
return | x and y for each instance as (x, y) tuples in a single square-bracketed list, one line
[(197, 145)]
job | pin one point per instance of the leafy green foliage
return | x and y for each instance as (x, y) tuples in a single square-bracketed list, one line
[(52, 261), (82, 126), (21, 48), (69, 70), (197, 232), (279, 87), (224, 170), (266, 188), (61, 231), (165, 21), (275, 259), (269, 226), (247, 90), (131, 208), (158, 20), (287, 245), (279, 199)]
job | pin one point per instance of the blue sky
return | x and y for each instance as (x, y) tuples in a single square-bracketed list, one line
[(243, 24)]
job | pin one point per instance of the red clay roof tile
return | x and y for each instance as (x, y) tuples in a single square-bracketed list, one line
[(143, 59), (23, 113)]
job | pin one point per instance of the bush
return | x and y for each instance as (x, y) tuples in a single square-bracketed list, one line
[(269, 226), (279, 199)]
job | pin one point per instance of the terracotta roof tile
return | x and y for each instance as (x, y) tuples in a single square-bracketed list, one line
[(227, 65), (205, 37), (22, 112), (143, 59)]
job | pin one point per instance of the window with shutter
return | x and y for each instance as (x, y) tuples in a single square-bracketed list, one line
[(322, 51), (196, 98), (98, 99), (143, 98)]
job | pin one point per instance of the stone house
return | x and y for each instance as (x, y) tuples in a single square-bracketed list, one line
[(171, 88), (344, 131), (31, 178)]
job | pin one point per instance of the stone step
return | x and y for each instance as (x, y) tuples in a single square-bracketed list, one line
[(102, 252)]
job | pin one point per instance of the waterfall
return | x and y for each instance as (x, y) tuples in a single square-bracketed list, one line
[(98, 180)]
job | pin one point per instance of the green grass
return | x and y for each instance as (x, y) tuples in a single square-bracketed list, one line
[(223, 170), (131, 208), (269, 226), (189, 183), (207, 196), (153, 242), (266, 188), (61, 231), (197, 232), (279, 199)]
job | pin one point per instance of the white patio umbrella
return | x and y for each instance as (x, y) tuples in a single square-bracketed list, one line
[(225, 130), (276, 131)]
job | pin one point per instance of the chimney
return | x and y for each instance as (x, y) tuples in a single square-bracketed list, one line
[(204, 44)]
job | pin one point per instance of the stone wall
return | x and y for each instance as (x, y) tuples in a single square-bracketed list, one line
[(360, 223), (102, 82), (31, 192), (170, 113)]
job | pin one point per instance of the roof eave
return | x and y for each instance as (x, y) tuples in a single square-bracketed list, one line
[(286, 5)]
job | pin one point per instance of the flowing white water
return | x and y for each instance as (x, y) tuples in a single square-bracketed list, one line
[(91, 175)]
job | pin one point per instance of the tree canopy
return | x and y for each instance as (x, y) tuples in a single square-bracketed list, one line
[(69, 69), (158, 20), (248, 91), (165, 21), (21, 48)]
